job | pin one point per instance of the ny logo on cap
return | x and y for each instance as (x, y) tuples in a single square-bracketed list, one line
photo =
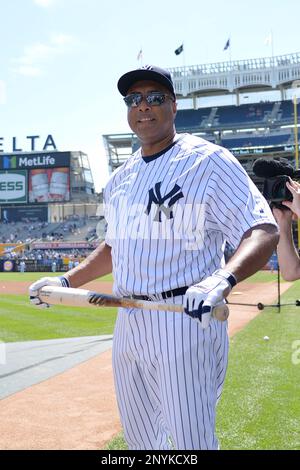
[(147, 67), (156, 198)]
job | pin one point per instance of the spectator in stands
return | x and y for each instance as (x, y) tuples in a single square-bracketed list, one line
[(5, 216), (59, 263), (70, 264), (22, 266), (53, 266), (288, 256)]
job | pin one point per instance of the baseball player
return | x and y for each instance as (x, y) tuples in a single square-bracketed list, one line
[(170, 208)]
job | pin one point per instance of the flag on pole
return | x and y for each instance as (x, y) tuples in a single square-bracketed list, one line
[(268, 40), (140, 55), (179, 50), (227, 44)]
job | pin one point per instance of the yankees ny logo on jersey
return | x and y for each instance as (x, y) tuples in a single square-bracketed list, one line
[(156, 198)]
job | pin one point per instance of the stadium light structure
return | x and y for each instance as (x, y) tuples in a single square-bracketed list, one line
[(295, 85)]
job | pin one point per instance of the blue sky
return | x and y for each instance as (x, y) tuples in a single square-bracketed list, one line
[(61, 59)]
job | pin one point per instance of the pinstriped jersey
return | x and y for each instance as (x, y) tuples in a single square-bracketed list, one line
[(169, 216)]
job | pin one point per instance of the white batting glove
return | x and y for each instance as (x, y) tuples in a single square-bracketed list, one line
[(201, 298), (45, 281)]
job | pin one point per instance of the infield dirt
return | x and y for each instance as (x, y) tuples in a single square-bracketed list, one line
[(77, 409)]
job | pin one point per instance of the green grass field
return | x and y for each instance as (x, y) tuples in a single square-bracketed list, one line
[(264, 276), (261, 276), (31, 277), (20, 321), (260, 406)]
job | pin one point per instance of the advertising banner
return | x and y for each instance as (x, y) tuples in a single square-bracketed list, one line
[(262, 150), (24, 214), (35, 160), (59, 245), (7, 265), (49, 185), (13, 186), (6, 248)]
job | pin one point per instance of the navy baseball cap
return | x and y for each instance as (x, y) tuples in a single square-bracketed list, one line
[(147, 72)]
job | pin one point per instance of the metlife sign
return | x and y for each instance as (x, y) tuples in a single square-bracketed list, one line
[(13, 186), (34, 160)]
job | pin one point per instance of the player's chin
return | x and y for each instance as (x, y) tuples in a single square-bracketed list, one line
[(148, 134), (146, 127)]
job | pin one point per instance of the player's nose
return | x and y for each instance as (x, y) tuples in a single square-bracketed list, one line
[(144, 106)]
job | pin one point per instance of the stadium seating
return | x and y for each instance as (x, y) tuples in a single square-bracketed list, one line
[(264, 113), (244, 114), (211, 124), (188, 119), (287, 112), (83, 229), (257, 141), (87, 231), (22, 231)]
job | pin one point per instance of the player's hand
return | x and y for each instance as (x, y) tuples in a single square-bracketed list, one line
[(200, 299), (45, 281)]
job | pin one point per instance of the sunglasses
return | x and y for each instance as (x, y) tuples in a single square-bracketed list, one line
[(154, 98)]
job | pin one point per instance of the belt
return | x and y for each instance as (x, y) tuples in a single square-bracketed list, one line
[(164, 295)]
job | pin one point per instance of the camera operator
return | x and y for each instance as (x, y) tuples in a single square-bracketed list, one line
[(288, 256), (282, 191)]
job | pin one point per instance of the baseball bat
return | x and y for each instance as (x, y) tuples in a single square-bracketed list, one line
[(84, 298)]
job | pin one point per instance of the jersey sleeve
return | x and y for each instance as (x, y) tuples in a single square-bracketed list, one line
[(234, 204)]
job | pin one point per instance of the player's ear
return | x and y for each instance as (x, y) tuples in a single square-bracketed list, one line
[(174, 108)]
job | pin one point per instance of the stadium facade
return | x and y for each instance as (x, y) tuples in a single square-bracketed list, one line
[(50, 214), (219, 102), (45, 186)]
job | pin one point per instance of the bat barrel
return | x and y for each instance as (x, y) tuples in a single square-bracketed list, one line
[(72, 297)]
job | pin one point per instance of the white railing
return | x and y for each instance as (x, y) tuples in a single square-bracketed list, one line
[(230, 76)]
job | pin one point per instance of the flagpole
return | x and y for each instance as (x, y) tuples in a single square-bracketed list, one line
[(140, 57), (272, 45), (228, 46), (178, 51), (269, 42), (183, 55), (183, 63)]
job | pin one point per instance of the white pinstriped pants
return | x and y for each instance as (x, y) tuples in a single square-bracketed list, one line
[(169, 374)]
